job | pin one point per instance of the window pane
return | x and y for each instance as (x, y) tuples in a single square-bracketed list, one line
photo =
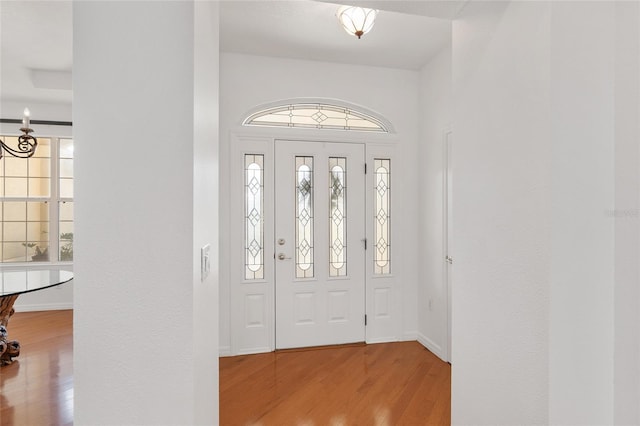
[(15, 187), (14, 231), (39, 167), (14, 210), (38, 187), (15, 167), (43, 150), (304, 217), (66, 168), (66, 148), (66, 188), (25, 231), (65, 225), (337, 217), (254, 219), (382, 253)]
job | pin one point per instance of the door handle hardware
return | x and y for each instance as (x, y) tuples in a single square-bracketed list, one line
[(449, 259), (282, 256), (281, 241)]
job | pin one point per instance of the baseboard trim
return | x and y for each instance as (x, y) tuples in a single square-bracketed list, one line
[(224, 351), (43, 307), (431, 346)]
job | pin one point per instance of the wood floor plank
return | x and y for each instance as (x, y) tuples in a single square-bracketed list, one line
[(383, 384)]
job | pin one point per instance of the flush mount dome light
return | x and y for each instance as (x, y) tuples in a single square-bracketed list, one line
[(356, 21)]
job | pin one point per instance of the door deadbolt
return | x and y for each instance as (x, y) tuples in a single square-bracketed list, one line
[(281, 241)]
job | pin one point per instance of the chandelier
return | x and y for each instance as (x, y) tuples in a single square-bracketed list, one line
[(26, 143), (356, 21)]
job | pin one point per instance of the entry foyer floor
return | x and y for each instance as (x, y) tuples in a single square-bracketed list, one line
[(383, 384)]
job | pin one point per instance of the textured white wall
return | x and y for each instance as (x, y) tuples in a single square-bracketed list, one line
[(205, 210), (546, 195), (627, 215), (137, 125), (501, 210), (247, 81), (582, 264), (436, 110)]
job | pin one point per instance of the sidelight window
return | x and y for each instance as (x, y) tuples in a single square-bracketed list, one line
[(382, 232), (254, 217)]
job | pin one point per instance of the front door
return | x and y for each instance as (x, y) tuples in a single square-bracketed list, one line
[(319, 243)]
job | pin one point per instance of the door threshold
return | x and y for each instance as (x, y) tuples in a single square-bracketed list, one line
[(316, 348)]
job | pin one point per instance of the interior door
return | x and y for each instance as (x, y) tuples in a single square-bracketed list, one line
[(320, 243)]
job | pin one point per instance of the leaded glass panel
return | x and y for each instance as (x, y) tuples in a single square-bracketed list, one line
[(304, 217), (382, 232), (315, 116), (254, 219), (337, 216)]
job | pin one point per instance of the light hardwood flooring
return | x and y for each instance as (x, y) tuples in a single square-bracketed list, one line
[(379, 385), (383, 385), (37, 389)]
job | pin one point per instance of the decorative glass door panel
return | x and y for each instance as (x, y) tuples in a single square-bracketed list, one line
[(319, 232)]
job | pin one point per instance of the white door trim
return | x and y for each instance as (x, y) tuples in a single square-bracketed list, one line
[(446, 232)]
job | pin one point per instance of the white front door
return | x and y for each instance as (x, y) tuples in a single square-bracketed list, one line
[(319, 243)]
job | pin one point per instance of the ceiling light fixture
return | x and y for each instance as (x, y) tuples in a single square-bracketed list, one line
[(26, 143), (356, 21)]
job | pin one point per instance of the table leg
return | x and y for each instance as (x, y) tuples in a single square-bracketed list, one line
[(9, 349)]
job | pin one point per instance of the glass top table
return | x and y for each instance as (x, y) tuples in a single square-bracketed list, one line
[(13, 283), (16, 282)]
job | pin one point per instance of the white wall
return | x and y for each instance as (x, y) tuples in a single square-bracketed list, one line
[(501, 213), (582, 265), (546, 234), (141, 337), (247, 81), (436, 110), (205, 211), (627, 216)]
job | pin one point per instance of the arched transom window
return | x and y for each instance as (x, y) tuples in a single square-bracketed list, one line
[(316, 116)]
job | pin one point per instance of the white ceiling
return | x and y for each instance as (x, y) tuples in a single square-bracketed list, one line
[(305, 29), (36, 38)]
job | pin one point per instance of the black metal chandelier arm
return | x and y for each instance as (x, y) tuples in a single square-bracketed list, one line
[(26, 146)]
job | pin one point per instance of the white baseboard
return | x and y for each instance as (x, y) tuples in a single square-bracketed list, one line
[(224, 351), (43, 307), (381, 340), (409, 335), (431, 346)]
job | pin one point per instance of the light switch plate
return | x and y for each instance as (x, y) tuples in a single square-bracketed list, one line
[(205, 262)]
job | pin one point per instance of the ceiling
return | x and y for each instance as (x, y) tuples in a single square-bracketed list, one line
[(35, 65)]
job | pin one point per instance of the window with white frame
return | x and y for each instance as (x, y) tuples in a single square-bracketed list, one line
[(36, 203)]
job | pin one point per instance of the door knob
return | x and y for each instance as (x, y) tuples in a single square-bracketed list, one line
[(281, 256)]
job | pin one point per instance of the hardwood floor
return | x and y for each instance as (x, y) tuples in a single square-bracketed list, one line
[(382, 384), (37, 389)]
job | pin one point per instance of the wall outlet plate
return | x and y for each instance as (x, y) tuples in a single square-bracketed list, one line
[(205, 262)]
